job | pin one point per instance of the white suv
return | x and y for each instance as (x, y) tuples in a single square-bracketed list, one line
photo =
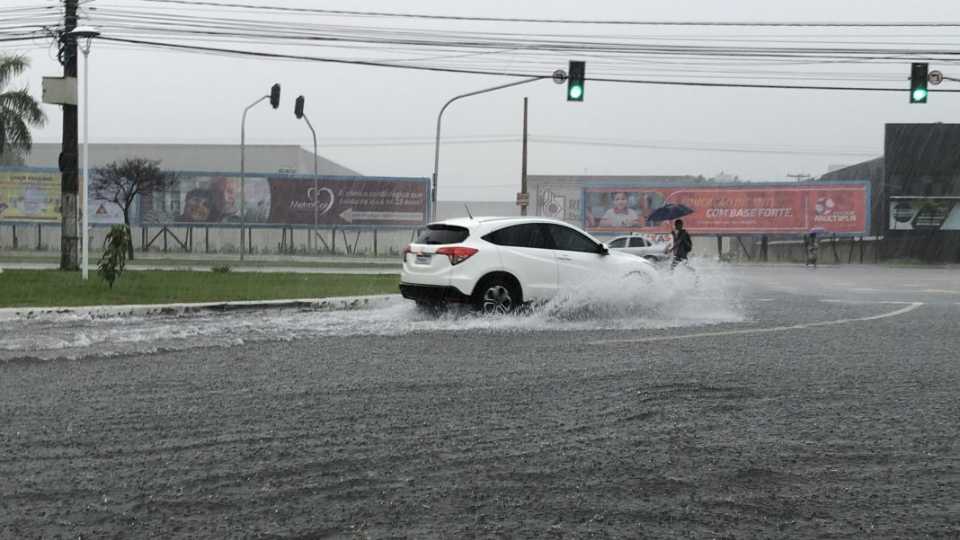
[(497, 264)]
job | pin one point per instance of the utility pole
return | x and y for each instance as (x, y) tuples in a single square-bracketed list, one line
[(69, 175), (523, 168)]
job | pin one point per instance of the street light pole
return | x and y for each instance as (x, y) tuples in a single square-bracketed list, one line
[(274, 97), (298, 112), (316, 178), (436, 153), (243, 172), (87, 33)]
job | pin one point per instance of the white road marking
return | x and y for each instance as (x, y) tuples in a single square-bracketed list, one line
[(864, 302), (901, 311), (947, 291)]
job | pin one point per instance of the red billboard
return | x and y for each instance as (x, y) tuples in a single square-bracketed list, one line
[(841, 208), (205, 198)]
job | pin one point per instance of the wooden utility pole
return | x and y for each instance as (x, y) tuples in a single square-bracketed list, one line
[(69, 174)]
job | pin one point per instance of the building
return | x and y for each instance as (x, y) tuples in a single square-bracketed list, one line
[(260, 158), (916, 191)]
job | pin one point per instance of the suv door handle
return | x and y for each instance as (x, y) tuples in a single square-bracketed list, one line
[(564, 257)]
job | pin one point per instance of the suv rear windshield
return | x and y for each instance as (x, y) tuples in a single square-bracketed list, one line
[(443, 234)]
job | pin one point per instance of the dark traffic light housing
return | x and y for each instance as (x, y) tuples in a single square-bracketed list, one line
[(275, 96), (918, 82), (575, 80), (298, 108)]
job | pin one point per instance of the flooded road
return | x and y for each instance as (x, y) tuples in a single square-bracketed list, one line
[(744, 402)]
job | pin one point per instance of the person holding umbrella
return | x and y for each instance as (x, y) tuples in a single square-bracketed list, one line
[(682, 244), (812, 248)]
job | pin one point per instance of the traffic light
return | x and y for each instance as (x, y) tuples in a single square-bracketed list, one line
[(575, 80), (298, 108), (918, 83), (275, 96)]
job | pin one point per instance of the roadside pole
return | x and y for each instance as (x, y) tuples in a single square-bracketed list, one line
[(523, 168)]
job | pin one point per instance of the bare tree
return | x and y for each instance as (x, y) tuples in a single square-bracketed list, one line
[(121, 181)]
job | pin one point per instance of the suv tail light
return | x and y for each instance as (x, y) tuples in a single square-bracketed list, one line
[(457, 254), (403, 254)]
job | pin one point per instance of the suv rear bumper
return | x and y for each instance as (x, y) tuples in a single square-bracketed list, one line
[(432, 293)]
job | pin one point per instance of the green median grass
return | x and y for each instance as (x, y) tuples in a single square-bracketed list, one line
[(52, 288), (174, 262)]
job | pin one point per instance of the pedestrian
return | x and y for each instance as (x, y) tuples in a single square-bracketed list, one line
[(682, 244), (813, 249)]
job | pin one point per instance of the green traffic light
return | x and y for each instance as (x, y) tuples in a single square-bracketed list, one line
[(919, 94), (576, 92)]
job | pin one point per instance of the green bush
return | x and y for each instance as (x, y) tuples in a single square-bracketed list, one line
[(221, 269), (114, 257)]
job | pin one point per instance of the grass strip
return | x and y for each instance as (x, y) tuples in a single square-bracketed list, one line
[(52, 288)]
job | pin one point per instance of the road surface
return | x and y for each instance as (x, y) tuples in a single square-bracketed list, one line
[(754, 402)]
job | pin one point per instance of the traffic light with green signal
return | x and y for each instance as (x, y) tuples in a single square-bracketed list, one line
[(918, 83), (575, 80)]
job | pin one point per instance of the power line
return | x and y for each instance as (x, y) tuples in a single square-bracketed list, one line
[(260, 54), (261, 7)]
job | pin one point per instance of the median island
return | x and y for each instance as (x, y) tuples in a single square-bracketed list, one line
[(52, 288)]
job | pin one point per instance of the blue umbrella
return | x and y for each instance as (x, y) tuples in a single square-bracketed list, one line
[(668, 212)]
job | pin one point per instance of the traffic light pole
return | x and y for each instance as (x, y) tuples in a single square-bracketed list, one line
[(436, 153)]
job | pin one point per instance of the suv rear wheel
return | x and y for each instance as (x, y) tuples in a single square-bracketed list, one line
[(496, 296)]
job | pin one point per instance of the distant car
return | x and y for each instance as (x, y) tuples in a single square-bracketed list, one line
[(499, 264), (641, 247)]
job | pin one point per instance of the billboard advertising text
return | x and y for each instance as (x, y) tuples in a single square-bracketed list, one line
[(29, 195), (925, 214), (827, 208), (289, 200)]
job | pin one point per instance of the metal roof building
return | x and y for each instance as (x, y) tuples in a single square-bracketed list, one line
[(260, 158)]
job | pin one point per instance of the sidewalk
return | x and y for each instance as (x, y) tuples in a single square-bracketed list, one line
[(38, 260), (140, 267), (228, 258)]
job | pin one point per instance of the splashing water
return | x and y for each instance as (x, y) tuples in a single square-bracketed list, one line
[(683, 297)]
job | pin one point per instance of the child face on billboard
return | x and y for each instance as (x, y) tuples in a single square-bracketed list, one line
[(620, 200)]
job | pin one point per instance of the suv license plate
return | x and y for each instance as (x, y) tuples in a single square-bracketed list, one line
[(423, 259)]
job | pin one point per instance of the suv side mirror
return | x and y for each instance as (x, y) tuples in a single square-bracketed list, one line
[(603, 249)]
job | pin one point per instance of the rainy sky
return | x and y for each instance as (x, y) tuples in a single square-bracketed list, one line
[(381, 121)]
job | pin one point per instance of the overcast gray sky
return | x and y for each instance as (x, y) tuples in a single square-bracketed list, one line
[(151, 95)]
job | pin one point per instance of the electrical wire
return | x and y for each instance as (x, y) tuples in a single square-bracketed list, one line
[(260, 54)]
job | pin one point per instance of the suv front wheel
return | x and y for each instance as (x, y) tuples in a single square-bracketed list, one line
[(496, 296)]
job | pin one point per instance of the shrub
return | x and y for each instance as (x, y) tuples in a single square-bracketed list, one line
[(114, 257)]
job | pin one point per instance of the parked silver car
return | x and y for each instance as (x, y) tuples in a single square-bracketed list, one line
[(641, 247)]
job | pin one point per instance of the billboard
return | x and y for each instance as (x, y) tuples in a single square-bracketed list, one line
[(29, 195), (840, 208), (924, 214), (204, 198), (104, 212)]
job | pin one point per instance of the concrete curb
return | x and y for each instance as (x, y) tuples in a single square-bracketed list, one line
[(142, 310)]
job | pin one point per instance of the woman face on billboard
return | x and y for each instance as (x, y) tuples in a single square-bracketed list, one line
[(197, 206)]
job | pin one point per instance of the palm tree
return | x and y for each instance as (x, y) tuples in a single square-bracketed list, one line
[(18, 109)]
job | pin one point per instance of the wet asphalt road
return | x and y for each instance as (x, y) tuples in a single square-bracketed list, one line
[(824, 412)]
